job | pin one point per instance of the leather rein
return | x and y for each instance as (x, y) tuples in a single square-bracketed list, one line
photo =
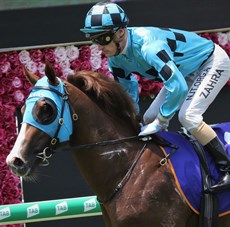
[(50, 150)]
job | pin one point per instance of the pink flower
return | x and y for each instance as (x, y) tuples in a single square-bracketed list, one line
[(95, 62), (19, 97), (222, 38), (65, 64), (41, 68), (95, 51), (17, 82), (60, 54), (5, 67), (31, 66), (36, 55), (72, 52), (104, 64), (24, 57), (66, 70)]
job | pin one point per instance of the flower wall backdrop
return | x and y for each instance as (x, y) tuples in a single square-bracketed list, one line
[(14, 88)]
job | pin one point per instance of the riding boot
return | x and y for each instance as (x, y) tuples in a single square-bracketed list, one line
[(217, 150)]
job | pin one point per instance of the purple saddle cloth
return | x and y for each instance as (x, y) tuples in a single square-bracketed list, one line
[(186, 166)]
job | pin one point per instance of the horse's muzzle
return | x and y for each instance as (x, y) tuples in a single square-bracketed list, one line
[(18, 167)]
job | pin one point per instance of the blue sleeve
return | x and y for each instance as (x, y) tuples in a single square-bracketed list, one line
[(127, 81), (159, 55), (132, 88)]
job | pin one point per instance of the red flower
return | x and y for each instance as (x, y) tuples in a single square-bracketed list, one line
[(227, 48), (49, 55), (205, 35), (58, 69), (18, 70), (13, 58), (3, 58), (76, 65), (36, 55), (85, 65), (84, 53)]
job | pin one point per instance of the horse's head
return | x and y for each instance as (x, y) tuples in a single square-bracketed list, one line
[(46, 120)]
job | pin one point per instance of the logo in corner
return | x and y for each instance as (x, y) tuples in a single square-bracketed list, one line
[(5, 213), (89, 205), (33, 211)]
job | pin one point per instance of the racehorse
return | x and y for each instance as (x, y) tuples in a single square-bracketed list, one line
[(92, 116)]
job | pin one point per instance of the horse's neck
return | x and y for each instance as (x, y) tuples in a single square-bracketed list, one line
[(101, 165), (93, 124)]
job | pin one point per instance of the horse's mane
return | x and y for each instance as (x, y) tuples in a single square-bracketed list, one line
[(107, 94)]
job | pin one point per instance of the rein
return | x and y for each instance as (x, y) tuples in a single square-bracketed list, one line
[(125, 178), (112, 142), (49, 151)]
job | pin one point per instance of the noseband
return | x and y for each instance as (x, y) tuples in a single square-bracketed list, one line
[(49, 151)]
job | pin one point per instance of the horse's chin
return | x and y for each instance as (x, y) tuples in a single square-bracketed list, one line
[(27, 172), (28, 176)]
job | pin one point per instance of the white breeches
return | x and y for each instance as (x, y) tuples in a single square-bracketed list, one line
[(204, 85)]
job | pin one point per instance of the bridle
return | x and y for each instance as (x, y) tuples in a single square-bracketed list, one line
[(49, 151)]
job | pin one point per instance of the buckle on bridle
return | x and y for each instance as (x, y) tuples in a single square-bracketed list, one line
[(163, 161)]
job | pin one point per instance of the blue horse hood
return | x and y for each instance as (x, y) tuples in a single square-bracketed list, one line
[(66, 128)]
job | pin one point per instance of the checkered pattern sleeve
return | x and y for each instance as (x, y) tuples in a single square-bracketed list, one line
[(127, 81), (159, 55)]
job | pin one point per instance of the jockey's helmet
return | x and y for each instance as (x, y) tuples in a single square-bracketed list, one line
[(103, 17)]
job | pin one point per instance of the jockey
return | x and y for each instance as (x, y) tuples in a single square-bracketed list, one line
[(193, 70)]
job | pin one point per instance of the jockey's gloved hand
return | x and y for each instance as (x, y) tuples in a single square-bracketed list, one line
[(159, 124)]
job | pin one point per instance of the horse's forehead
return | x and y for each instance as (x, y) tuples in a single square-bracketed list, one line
[(41, 90)]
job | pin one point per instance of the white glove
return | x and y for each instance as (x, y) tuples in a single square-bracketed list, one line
[(151, 128), (157, 125)]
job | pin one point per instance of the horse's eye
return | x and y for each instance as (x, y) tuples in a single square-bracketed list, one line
[(44, 111)]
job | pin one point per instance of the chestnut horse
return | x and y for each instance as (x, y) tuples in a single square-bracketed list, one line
[(95, 118)]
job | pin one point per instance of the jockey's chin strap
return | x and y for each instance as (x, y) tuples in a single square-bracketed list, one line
[(49, 151)]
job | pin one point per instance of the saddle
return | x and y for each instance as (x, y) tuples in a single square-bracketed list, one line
[(194, 171)]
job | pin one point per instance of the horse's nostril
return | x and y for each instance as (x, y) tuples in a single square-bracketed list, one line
[(17, 162), (18, 167)]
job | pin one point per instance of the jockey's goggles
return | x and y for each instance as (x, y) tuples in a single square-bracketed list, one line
[(103, 39)]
